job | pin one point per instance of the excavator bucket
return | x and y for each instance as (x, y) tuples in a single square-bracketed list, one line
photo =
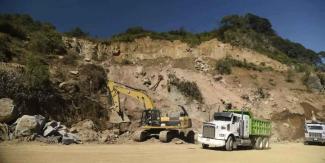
[(115, 117)]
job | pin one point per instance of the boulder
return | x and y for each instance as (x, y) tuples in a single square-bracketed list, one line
[(106, 135), (54, 132), (87, 135), (87, 59), (4, 132), (140, 71), (146, 82), (313, 83), (217, 77), (85, 124), (70, 138), (51, 128), (70, 86), (8, 112), (74, 72), (27, 125), (85, 130)]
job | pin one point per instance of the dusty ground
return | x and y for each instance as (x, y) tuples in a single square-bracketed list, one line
[(157, 153)]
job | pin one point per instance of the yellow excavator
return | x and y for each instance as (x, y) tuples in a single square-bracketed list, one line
[(152, 123)]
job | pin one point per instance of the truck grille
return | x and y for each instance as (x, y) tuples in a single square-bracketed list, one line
[(209, 131), (315, 135)]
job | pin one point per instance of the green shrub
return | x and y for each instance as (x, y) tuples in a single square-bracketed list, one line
[(290, 76), (37, 72), (2, 56), (224, 66), (306, 76), (46, 42), (126, 62), (93, 78), (5, 50), (251, 31), (12, 30), (187, 88), (70, 59), (76, 32)]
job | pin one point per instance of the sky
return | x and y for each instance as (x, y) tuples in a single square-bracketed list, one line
[(301, 21)]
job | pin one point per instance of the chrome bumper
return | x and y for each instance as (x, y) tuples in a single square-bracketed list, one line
[(211, 142), (318, 140)]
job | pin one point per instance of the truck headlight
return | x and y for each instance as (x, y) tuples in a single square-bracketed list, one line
[(221, 135)]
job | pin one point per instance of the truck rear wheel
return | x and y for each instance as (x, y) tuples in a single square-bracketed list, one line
[(258, 143), (266, 143), (229, 144)]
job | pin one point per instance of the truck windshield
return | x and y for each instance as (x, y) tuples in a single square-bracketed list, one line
[(222, 118), (315, 127)]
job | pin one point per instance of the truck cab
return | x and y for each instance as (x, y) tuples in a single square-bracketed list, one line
[(230, 129), (314, 132)]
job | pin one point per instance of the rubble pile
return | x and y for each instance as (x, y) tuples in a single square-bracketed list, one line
[(31, 127), (201, 65), (37, 128)]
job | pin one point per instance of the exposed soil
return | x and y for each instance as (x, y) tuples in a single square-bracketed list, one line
[(156, 152)]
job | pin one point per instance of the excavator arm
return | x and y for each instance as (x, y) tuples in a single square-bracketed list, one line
[(117, 88)]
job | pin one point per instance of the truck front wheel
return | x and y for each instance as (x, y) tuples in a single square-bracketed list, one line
[(205, 146), (229, 144)]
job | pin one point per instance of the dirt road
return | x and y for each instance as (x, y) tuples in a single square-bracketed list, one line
[(155, 153)]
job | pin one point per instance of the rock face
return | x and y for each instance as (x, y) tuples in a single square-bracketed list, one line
[(313, 83), (147, 48), (85, 131), (7, 110), (27, 125)]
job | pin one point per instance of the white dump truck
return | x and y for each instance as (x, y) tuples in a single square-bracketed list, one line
[(314, 132), (232, 128)]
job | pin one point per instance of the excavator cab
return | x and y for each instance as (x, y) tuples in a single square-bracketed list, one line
[(151, 117)]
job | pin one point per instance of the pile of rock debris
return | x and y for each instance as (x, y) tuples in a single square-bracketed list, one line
[(38, 128)]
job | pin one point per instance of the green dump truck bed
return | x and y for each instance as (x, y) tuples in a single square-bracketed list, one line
[(257, 127), (260, 127)]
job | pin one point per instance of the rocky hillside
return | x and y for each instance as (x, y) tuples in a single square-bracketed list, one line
[(267, 92), (65, 79)]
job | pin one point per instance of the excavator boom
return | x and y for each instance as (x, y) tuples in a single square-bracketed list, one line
[(117, 88)]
